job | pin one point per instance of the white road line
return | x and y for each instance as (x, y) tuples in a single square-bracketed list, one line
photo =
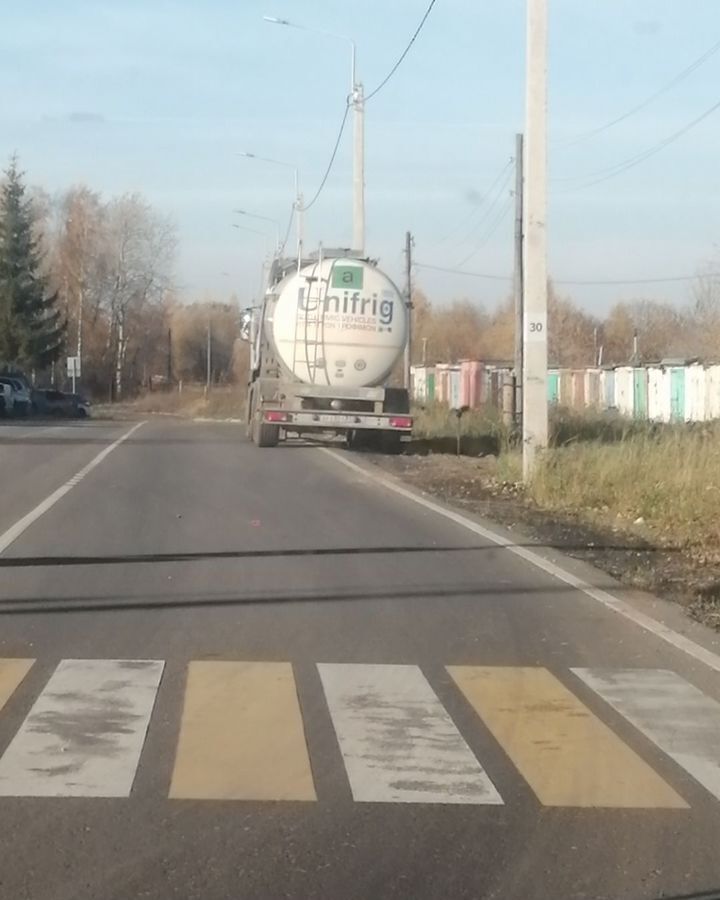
[(674, 715), (84, 735), (691, 648), (13, 533), (397, 741)]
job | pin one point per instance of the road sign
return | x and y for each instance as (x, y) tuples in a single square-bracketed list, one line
[(73, 366)]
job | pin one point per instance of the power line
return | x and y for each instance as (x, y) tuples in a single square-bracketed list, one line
[(573, 282), (489, 209), (307, 206), (492, 228), (640, 106), (612, 171), (403, 54), (420, 265), (478, 208), (287, 231), (631, 281)]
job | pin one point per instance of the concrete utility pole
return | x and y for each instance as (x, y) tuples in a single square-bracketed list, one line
[(409, 307), (209, 356), (535, 415), (358, 103), (518, 277)]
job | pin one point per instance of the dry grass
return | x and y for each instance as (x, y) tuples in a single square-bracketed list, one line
[(435, 420), (670, 480), (224, 402)]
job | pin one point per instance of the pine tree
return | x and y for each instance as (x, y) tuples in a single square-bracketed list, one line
[(31, 327)]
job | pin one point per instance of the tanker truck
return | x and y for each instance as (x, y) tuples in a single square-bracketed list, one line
[(324, 341)]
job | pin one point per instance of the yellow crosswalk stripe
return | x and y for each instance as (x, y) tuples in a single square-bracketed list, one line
[(241, 735), (564, 752), (12, 672)]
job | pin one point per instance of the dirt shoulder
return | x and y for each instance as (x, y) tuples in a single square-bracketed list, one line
[(622, 549)]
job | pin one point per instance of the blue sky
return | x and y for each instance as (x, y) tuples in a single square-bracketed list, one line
[(159, 96)]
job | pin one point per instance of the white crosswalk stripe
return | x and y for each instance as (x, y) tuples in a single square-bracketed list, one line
[(398, 742), (84, 735), (677, 717)]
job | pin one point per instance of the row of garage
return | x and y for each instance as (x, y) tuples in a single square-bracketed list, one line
[(669, 391)]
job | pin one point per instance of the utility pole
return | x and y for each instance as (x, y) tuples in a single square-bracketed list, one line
[(358, 168), (209, 356), (518, 277), (169, 356), (299, 220), (535, 415), (300, 236), (408, 307)]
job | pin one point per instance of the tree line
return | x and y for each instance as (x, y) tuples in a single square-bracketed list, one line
[(89, 276), (93, 277), (642, 330)]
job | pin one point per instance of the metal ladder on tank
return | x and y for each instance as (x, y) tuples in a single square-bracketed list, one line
[(312, 335)]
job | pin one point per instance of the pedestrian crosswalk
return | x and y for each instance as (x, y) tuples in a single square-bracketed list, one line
[(242, 734)]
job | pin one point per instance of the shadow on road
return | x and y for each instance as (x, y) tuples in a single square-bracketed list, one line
[(22, 562), (160, 602)]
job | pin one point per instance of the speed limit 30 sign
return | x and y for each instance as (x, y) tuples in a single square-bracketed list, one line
[(536, 328)]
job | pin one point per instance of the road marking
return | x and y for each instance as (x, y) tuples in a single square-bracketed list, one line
[(14, 532), (564, 752), (691, 648), (84, 735), (397, 741), (241, 736), (12, 672), (674, 715)]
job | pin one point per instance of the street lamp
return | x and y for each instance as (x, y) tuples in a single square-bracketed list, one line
[(358, 105), (243, 212), (298, 204)]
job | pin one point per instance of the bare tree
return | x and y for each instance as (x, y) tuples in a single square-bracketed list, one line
[(139, 249)]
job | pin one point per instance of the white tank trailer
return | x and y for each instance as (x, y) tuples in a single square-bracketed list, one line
[(324, 343)]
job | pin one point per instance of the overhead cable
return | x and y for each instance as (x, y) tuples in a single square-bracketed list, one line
[(640, 106), (490, 231), (403, 54), (477, 208), (618, 169), (573, 282), (287, 231), (307, 206), (489, 209)]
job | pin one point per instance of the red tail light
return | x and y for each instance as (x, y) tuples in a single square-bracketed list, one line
[(400, 422), (272, 415)]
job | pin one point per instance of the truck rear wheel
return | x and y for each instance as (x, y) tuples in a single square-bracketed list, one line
[(265, 435)]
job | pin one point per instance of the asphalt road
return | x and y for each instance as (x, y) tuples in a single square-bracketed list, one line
[(237, 673)]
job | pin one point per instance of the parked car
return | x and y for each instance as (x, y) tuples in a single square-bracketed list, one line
[(20, 395), (48, 402), (81, 406), (6, 399)]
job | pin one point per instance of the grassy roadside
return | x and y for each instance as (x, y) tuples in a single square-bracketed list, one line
[(638, 500), (669, 483)]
